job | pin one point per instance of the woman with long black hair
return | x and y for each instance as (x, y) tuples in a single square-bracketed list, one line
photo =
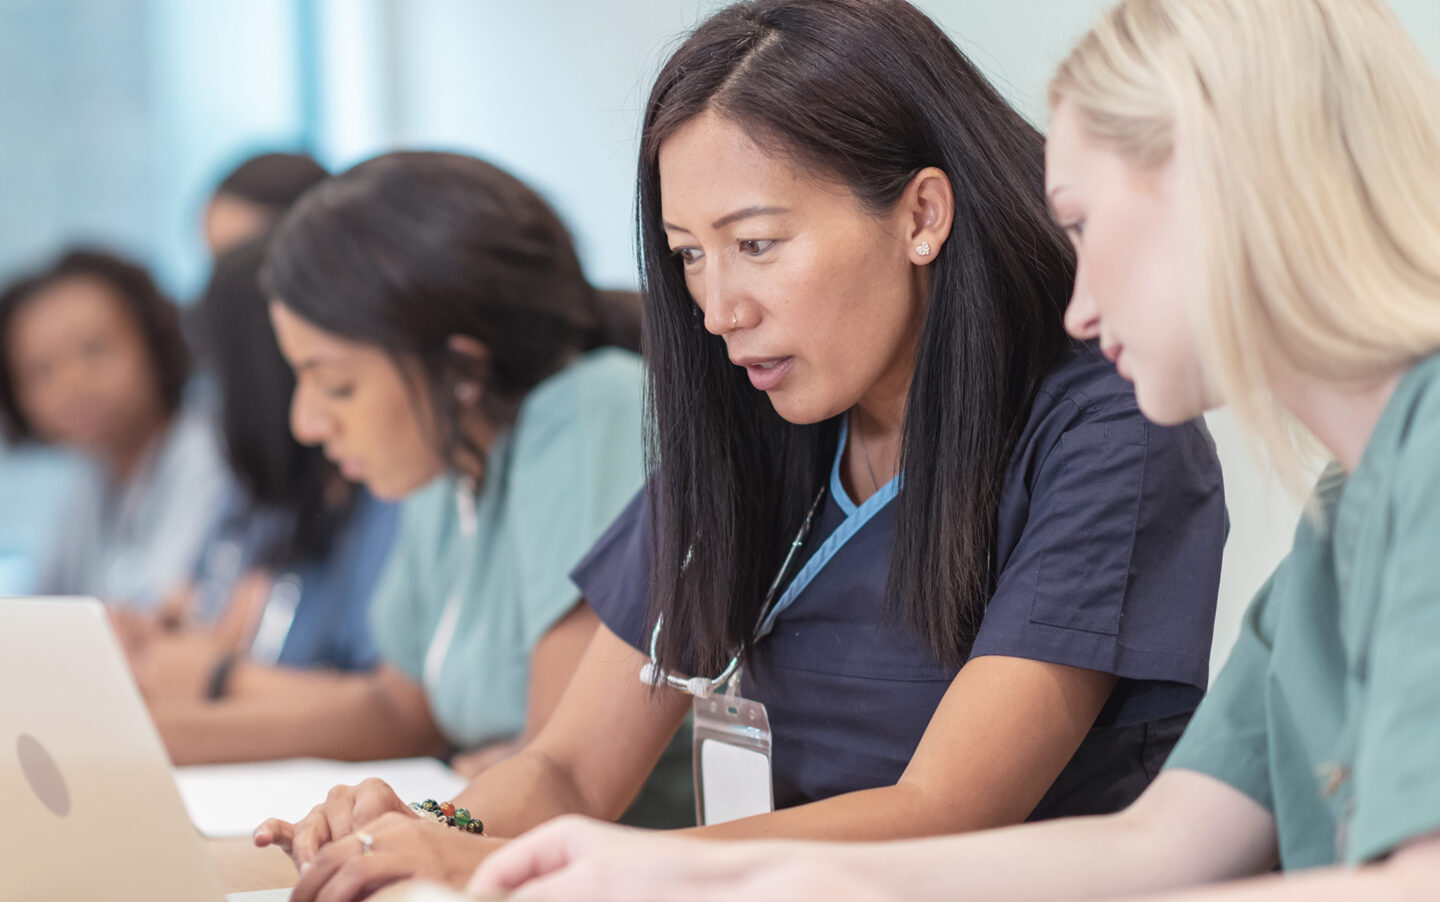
[(850, 274)]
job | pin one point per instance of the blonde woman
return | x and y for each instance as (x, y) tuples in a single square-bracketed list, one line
[(1253, 190)]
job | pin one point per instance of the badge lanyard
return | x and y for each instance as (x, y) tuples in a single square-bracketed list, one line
[(855, 517), (732, 737), (702, 687), (732, 740)]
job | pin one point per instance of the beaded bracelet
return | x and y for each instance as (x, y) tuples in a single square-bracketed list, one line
[(446, 813)]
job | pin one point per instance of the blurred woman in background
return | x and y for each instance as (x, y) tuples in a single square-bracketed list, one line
[(94, 361), (255, 194), (287, 575)]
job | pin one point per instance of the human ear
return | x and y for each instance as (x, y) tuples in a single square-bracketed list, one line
[(471, 360), (927, 211)]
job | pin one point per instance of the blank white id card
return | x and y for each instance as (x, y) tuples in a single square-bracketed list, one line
[(731, 759)]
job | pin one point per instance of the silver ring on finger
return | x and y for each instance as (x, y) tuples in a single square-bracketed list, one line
[(367, 842)]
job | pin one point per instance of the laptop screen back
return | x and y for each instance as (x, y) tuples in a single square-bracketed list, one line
[(88, 806)]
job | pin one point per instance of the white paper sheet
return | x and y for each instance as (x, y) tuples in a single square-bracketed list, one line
[(229, 800)]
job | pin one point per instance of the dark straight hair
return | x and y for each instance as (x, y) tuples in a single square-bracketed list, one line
[(234, 335), (865, 93), (405, 251)]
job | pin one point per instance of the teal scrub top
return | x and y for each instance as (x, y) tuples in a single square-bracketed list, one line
[(1328, 709), (553, 483)]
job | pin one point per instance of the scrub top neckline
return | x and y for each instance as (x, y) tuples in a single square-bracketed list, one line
[(847, 505), (855, 518), (469, 498)]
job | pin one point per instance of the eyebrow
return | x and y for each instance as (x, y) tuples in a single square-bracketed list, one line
[(311, 363), (730, 218)]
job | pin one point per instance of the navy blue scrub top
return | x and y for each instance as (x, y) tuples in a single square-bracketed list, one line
[(331, 628), (1108, 558)]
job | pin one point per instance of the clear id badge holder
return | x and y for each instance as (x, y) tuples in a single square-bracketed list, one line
[(731, 757)]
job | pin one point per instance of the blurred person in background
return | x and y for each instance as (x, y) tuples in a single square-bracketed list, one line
[(286, 577), (94, 361), (254, 195), (448, 351)]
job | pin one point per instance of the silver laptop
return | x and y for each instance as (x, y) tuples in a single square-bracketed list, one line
[(88, 806)]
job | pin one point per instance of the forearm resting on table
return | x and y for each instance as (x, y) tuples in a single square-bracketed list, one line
[(999, 738), (1412, 873), (347, 717), (1075, 858), (524, 791), (1188, 830), (252, 682), (902, 811)]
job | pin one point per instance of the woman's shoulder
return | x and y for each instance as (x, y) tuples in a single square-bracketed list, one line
[(1082, 403), (1082, 391), (597, 389), (1086, 385), (192, 438), (438, 493), (603, 376), (1404, 450), (1418, 395)]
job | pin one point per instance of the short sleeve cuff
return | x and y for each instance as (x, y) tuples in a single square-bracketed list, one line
[(394, 654), (1249, 773), (559, 600), (1228, 738), (614, 577), (1407, 818), (1091, 651)]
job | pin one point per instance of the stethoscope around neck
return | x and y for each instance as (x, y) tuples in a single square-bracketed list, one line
[(652, 674)]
